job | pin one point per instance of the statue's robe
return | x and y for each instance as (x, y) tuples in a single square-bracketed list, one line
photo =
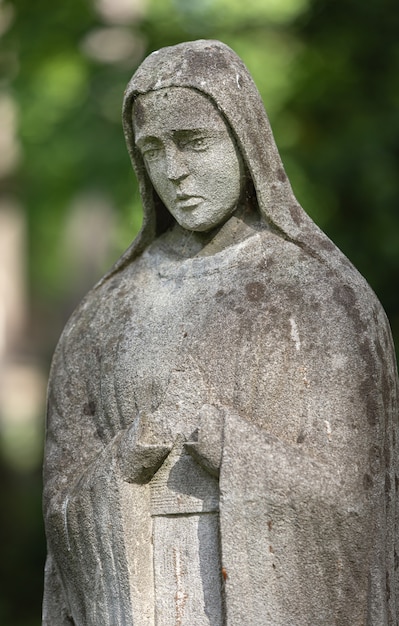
[(272, 328), (299, 361)]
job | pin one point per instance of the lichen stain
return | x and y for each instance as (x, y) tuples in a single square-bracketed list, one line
[(255, 291), (114, 284), (139, 113), (345, 295), (212, 59), (327, 245), (281, 175), (367, 482), (366, 392), (366, 353), (296, 214), (89, 408), (375, 459), (388, 486), (301, 437)]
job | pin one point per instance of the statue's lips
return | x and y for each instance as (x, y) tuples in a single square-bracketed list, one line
[(184, 201)]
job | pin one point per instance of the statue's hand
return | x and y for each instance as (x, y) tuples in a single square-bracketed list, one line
[(139, 460), (207, 450)]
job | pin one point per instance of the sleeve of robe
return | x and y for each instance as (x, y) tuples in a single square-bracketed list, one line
[(86, 565), (308, 520)]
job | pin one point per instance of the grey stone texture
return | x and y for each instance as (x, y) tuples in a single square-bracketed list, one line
[(222, 424)]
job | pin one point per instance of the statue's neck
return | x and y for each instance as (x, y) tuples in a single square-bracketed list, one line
[(186, 243)]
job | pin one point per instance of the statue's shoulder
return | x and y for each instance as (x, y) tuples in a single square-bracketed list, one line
[(81, 327), (316, 278), (95, 313)]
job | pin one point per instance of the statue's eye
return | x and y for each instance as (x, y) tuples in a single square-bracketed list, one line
[(150, 154), (197, 144)]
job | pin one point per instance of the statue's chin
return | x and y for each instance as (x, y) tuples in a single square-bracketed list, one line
[(202, 217)]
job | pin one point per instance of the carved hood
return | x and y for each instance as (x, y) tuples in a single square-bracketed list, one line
[(212, 68)]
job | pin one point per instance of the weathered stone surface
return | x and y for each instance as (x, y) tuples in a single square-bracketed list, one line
[(222, 429)]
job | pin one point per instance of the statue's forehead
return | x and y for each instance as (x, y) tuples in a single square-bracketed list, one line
[(175, 107)]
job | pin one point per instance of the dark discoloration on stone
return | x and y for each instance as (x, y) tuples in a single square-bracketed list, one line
[(388, 485), (255, 291), (291, 297), (113, 284), (89, 408), (347, 263), (387, 453), (231, 300), (315, 306), (375, 459), (379, 350), (372, 411), (138, 113), (344, 295), (387, 381), (301, 437), (281, 175), (327, 245), (367, 393), (366, 352), (387, 387), (296, 214), (212, 59), (367, 482)]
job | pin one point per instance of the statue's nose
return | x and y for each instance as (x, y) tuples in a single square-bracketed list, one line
[(176, 166)]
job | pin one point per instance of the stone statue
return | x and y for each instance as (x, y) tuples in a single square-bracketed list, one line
[(222, 426)]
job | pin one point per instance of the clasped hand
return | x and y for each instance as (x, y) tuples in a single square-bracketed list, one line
[(139, 459)]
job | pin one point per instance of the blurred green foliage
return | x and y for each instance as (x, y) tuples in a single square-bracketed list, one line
[(345, 102), (328, 71)]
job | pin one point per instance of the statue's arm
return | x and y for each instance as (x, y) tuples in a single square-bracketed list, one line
[(314, 480), (83, 472), (73, 451)]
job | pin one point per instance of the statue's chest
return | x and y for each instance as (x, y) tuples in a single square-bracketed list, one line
[(184, 341), (165, 331), (166, 317)]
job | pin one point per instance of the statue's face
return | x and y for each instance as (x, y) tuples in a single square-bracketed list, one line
[(190, 156)]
